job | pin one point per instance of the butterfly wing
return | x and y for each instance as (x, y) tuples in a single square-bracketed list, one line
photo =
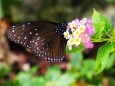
[(41, 38)]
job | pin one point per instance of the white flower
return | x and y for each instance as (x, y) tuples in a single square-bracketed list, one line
[(76, 33), (77, 41), (72, 29), (81, 28), (70, 47), (72, 24), (66, 35), (72, 36), (70, 41)]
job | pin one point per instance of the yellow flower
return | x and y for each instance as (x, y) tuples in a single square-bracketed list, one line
[(81, 28), (77, 41), (66, 35)]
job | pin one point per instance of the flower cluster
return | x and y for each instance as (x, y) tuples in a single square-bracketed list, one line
[(79, 32)]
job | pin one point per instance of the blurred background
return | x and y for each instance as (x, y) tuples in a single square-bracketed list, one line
[(18, 67)]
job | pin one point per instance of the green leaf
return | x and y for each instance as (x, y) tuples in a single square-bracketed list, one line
[(88, 68), (33, 69), (66, 79), (102, 56), (111, 61), (24, 79), (53, 73), (4, 70), (101, 23), (37, 80), (8, 83), (1, 10), (76, 60)]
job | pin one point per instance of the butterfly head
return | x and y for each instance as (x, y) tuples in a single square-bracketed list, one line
[(61, 28)]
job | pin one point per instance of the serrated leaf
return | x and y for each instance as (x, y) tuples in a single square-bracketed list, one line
[(101, 23), (102, 56)]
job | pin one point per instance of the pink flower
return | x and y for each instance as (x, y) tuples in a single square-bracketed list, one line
[(77, 22), (89, 29), (88, 45), (89, 21), (85, 38), (69, 46), (82, 29), (83, 21), (68, 26)]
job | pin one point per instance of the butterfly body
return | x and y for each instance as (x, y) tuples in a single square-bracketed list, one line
[(45, 39)]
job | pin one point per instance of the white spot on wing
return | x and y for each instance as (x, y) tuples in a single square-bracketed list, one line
[(30, 32), (36, 34), (25, 37), (28, 23), (23, 28), (23, 25)]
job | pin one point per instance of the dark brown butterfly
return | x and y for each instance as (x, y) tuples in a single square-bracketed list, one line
[(45, 39)]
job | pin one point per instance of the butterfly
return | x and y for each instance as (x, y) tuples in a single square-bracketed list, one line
[(45, 39)]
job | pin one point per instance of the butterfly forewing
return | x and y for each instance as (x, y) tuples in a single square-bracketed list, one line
[(41, 38)]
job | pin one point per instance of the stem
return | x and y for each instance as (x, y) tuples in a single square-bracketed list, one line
[(109, 35), (110, 39), (99, 40), (113, 41)]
